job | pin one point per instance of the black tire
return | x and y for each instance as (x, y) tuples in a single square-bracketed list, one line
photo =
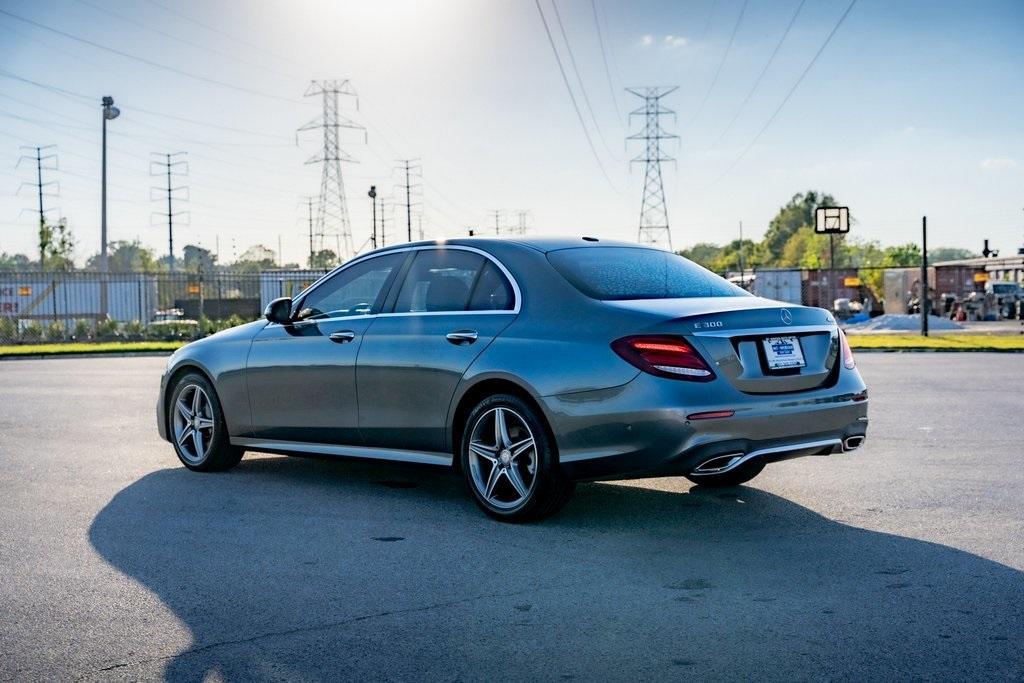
[(548, 489), (218, 453), (740, 475)]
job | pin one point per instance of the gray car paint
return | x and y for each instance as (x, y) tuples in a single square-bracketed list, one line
[(609, 419)]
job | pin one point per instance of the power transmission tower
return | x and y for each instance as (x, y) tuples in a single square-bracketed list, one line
[(412, 169), (171, 168), (497, 221), (332, 208), (39, 158), (654, 228)]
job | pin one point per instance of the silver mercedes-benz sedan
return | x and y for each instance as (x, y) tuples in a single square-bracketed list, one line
[(527, 365)]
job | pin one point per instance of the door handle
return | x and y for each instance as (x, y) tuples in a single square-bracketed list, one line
[(460, 337), (342, 337)]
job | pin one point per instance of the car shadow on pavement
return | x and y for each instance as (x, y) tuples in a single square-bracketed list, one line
[(332, 569)]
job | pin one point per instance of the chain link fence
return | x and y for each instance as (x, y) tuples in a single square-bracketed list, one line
[(954, 291), (88, 306)]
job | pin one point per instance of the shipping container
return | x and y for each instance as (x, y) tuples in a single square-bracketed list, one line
[(779, 284)]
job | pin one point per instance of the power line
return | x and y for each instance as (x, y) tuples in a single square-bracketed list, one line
[(212, 29), (707, 24), (149, 62), (579, 79), (87, 100), (575, 105), (184, 41), (760, 76), (789, 94), (604, 58), (725, 56)]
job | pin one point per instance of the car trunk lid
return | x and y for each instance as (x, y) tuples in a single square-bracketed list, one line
[(759, 346)]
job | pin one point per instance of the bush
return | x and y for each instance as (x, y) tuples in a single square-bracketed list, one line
[(106, 329), (55, 331), (133, 329), (8, 330), (32, 332), (82, 330)]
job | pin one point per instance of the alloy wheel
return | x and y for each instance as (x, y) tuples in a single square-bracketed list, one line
[(193, 423), (503, 458)]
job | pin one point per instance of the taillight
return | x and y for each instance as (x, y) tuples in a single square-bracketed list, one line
[(848, 361), (664, 356)]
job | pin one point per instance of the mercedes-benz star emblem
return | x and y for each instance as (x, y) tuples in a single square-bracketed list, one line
[(787, 317)]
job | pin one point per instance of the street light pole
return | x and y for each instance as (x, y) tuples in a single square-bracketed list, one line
[(110, 112)]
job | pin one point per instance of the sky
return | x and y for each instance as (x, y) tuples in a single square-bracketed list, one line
[(911, 108)]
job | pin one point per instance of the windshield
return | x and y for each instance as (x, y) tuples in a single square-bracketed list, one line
[(617, 273)]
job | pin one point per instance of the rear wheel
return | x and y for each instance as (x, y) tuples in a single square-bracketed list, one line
[(740, 475), (510, 464), (197, 427)]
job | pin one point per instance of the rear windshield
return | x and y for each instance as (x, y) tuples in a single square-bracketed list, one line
[(615, 273)]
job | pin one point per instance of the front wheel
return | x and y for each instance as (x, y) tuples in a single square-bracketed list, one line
[(197, 427), (509, 462)]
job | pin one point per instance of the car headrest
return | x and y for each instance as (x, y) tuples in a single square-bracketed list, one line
[(446, 294)]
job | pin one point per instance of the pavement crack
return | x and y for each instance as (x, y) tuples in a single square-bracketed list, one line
[(326, 626)]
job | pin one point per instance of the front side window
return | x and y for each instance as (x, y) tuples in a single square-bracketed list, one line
[(353, 291), (620, 273), (439, 280)]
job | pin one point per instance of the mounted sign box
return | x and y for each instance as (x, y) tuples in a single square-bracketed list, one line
[(981, 277), (851, 282), (832, 219), (24, 291), (193, 288)]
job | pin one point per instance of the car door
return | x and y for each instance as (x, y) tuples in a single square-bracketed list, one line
[(452, 302), (301, 377)]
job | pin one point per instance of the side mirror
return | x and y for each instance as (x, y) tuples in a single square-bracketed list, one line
[(279, 311)]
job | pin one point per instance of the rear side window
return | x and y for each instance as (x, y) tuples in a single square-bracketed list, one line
[(493, 291), (617, 273), (439, 280)]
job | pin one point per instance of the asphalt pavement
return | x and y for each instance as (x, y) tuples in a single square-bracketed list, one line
[(904, 559)]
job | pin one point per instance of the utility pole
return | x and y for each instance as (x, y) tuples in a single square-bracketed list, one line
[(654, 227), (332, 207), (383, 231), (923, 289), (497, 222), (39, 158), (741, 255), (411, 169), (169, 167), (522, 223)]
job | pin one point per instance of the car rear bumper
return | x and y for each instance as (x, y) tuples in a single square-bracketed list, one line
[(648, 427)]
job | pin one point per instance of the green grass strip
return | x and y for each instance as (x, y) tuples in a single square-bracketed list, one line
[(944, 342), (89, 348)]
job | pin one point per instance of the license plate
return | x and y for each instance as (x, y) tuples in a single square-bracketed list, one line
[(783, 353)]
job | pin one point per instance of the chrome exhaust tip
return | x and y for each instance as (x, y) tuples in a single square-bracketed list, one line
[(719, 463), (852, 442)]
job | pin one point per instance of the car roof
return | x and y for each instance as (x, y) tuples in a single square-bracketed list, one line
[(541, 244)]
